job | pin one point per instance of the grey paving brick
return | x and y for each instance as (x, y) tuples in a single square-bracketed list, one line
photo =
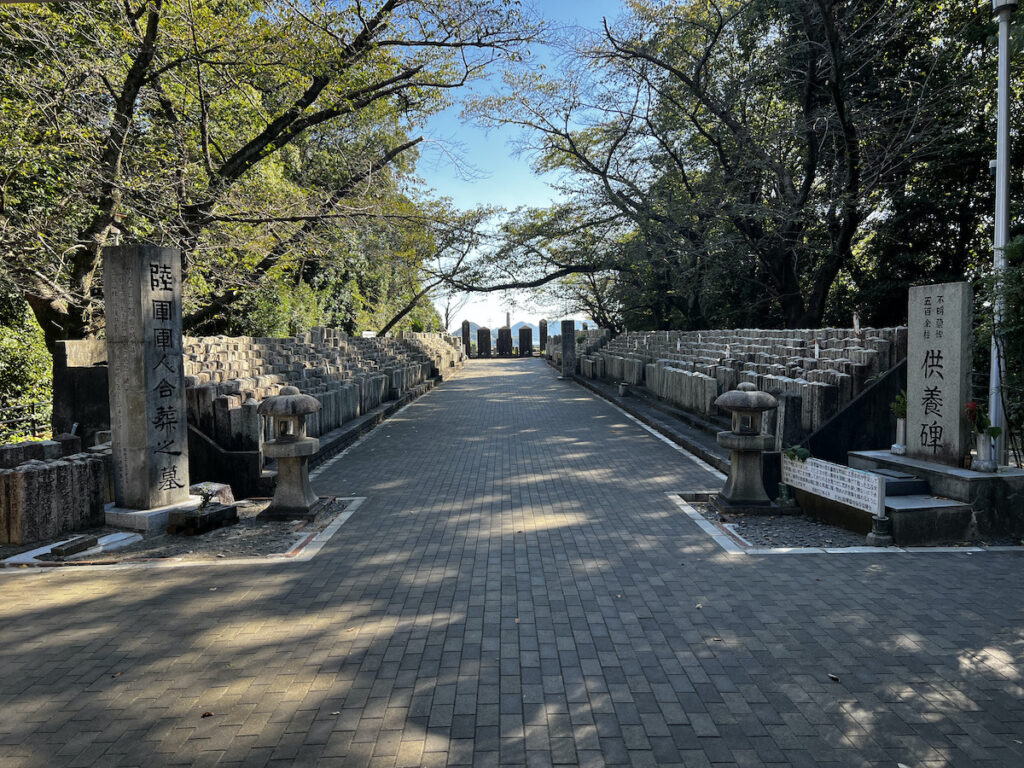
[(518, 589)]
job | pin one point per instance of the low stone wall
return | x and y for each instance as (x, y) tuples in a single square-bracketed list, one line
[(45, 493)]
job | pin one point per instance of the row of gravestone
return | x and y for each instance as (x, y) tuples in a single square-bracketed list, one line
[(349, 376), (504, 346), (825, 368)]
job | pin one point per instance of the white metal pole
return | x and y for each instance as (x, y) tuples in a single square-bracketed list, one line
[(1003, 10)]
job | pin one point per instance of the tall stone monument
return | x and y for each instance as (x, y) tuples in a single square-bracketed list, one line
[(938, 372), (505, 342), (568, 349), (466, 343), (543, 335), (525, 341), (483, 342), (142, 293)]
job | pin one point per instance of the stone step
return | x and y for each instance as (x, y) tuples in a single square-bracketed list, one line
[(902, 484), (927, 520)]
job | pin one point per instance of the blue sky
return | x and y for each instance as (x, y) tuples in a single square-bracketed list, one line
[(501, 178)]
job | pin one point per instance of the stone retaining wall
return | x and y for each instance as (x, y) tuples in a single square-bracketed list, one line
[(44, 493)]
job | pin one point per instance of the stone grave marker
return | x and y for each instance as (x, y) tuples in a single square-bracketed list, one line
[(505, 342), (938, 372), (525, 341), (543, 335), (142, 293), (568, 349), (483, 342), (465, 337)]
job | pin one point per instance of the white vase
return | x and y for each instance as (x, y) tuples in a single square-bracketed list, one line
[(900, 446), (985, 460)]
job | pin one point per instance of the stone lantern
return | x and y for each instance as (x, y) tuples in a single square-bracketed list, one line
[(744, 491), (293, 495)]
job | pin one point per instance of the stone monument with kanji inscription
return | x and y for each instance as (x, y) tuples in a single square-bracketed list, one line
[(938, 372), (142, 292)]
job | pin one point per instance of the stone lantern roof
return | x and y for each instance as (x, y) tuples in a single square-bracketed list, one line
[(746, 399), (290, 402)]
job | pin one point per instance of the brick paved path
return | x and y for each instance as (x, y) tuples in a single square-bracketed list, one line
[(517, 589)]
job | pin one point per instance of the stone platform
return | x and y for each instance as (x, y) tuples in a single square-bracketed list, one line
[(997, 498)]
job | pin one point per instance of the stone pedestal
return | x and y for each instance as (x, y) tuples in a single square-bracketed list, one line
[(568, 349), (293, 495), (543, 335), (525, 341), (483, 342), (142, 293), (938, 372)]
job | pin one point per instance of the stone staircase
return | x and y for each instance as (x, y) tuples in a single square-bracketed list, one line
[(918, 516)]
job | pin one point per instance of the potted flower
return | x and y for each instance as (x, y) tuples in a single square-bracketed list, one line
[(977, 419), (899, 410)]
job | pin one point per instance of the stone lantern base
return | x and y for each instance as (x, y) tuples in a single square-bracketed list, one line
[(725, 507)]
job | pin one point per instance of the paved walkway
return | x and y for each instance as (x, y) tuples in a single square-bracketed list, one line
[(518, 589)]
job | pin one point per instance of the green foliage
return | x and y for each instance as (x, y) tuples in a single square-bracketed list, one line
[(763, 164), (25, 369), (270, 143), (798, 453), (1011, 338), (899, 405)]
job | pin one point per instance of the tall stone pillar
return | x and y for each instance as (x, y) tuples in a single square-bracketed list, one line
[(466, 343), (526, 341), (543, 335), (142, 296), (505, 342), (568, 349), (483, 342), (938, 372)]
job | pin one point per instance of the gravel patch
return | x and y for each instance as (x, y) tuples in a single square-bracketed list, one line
[(250, 537), (800, 530)]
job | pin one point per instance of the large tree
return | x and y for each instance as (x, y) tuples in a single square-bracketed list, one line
[(751, 148), (200, 124)]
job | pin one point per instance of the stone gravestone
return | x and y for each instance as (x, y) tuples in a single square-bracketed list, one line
[(568, 349), (543, 335), (465, 337), (938, 372), (142, 295), (483, 342), (505, 342), (525, 341)]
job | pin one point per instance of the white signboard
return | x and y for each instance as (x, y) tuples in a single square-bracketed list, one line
[(853, 487)]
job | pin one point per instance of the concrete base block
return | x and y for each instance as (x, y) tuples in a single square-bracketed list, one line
[(149, 521)]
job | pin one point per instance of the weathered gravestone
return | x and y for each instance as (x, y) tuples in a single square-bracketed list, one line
[(525, 341), (466, 337), (543, 335), (142, 293), (505, 342), (938, 372), (568, 349), (483, 342)]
